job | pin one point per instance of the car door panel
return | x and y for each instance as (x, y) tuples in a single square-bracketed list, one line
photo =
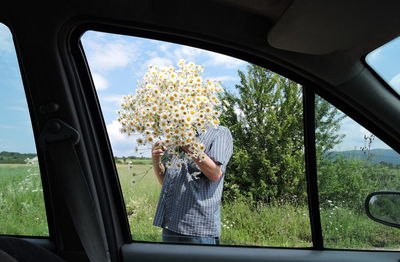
[(169, 252)]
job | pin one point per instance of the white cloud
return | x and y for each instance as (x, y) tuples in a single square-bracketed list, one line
[(113, 55), (6, 43), (123, 145), (395, 83), (187, 53), (216, 59), (160, 61), (170, 57), (106, 55), (7, 126), (17, 108), (100, 82), (164, 47), (117, 99)]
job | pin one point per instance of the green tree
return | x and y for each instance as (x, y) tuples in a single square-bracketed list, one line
[(265, 116)]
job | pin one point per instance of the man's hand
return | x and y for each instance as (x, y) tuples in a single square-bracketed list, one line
[(207, 166), (186, 148), (157, 152)]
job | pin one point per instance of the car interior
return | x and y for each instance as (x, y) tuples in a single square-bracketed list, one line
[(319, 44)]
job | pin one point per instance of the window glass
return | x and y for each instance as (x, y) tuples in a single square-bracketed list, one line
[(21, 195), (351, 165), (385, 61), (148, 93)]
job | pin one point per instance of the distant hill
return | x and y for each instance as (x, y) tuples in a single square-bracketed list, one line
[(14, 157), (387, 156)]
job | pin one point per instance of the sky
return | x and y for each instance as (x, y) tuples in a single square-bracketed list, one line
[(385, 61), (117, 63), (15, 126)]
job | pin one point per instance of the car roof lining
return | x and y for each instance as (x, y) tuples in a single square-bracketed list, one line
[(322, 27), (273, 9)]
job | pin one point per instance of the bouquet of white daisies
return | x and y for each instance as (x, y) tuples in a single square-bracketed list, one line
[(171, 106)]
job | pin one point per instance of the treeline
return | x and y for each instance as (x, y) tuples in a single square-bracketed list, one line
[(14, 157)]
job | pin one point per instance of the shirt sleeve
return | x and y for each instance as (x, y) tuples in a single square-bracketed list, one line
[(222, 148)]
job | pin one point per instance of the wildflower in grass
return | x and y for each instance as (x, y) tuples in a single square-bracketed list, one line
[(171, 105), (30, 183)]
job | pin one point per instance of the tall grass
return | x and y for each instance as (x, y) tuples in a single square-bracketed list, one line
[(21, 201), (345, 228), (141, 191), (279, 225)]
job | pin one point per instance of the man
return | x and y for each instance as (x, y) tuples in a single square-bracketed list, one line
[(189, 206)]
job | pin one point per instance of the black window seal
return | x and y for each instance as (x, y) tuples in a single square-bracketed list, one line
[(311, 167)]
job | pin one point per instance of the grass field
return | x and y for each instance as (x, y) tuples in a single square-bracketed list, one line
[(281, 225), (21, 201)]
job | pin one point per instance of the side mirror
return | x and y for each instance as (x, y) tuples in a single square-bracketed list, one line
[(384, 207)]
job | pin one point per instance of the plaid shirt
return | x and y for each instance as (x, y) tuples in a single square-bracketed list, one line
[(189, 202)]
